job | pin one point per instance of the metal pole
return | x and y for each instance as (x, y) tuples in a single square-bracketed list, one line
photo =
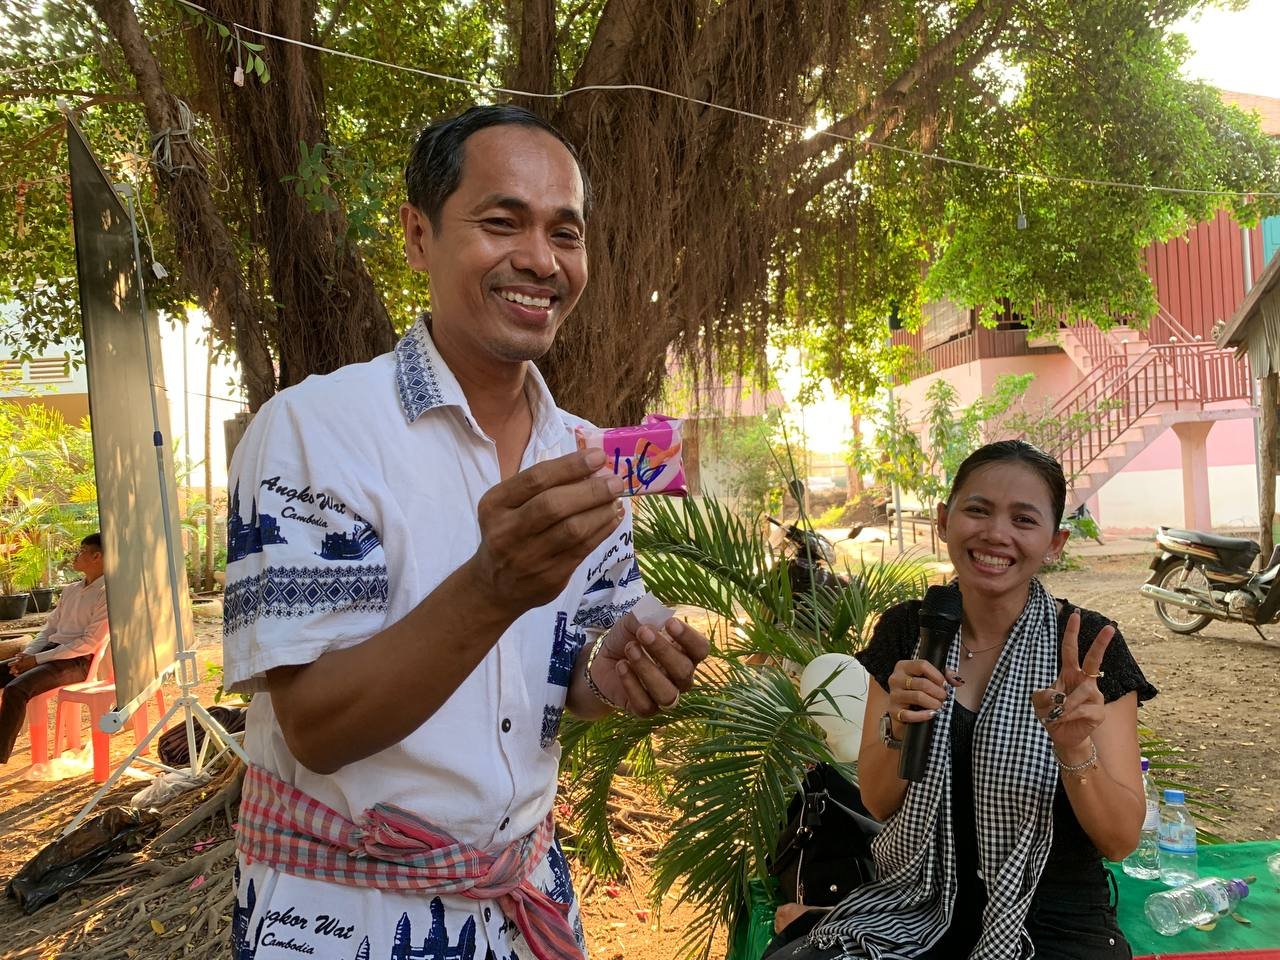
[(1254, 398), (897, 493), (158, 440), (186, 404)]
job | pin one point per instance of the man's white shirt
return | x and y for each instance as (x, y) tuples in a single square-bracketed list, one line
[(77, 625), (353, 496)]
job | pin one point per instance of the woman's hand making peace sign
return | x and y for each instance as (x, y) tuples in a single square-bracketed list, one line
[(1073, 707)]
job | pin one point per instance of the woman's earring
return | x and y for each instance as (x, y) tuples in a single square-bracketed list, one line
[(1049, 558)]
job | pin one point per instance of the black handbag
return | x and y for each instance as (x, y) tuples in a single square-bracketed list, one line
[(825, 851), (172, 744)]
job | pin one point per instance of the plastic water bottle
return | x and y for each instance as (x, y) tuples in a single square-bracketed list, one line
[(1177, 843), (1144, 863), (1194, 904)]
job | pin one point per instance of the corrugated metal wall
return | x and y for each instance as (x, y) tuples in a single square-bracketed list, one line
[(1199, 277)]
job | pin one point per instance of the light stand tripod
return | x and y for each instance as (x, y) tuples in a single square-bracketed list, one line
[(185, 660)]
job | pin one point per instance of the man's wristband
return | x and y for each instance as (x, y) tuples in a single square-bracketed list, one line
[(586, 674)]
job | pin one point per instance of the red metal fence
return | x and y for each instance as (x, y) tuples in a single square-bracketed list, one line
[(1104, 408)]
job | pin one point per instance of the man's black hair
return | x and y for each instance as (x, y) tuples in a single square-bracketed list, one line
[(435, 162), (93, 540)]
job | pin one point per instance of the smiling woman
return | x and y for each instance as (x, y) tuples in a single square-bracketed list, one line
[(1033, 766)]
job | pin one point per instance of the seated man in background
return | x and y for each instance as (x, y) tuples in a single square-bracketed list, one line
[(62, 651)]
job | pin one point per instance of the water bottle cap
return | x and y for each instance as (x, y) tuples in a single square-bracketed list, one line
[(1174, 796), (1146, 764), (1240, 887)]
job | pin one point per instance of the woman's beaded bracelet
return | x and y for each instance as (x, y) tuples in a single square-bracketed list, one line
[(1078, 768), (586, 675)]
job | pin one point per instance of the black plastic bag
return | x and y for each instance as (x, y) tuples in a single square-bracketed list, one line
[(70, 859), (825, 851)]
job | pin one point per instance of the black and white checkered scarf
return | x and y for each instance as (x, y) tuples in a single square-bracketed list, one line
[(908, 909)]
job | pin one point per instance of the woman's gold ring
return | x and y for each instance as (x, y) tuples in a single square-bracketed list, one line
[(1094, 676), (898, 716), (909, 679)]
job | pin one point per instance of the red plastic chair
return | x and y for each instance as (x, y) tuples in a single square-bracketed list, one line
[(100, 697), (38, 706)]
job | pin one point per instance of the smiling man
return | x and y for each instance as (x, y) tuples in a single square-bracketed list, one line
[(423, 573)]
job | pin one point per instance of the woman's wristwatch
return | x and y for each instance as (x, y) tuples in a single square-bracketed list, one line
[(886, 732)]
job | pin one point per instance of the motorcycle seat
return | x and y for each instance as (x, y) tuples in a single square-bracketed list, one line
[(1236, 550)]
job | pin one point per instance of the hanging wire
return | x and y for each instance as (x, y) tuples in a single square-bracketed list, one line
[(711, 105)]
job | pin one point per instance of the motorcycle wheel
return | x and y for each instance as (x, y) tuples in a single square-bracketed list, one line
[(1174, 576)]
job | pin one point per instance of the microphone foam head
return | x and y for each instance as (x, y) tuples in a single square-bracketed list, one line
[(942, 603)]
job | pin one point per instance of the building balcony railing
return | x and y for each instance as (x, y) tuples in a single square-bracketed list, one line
[(979, 344)]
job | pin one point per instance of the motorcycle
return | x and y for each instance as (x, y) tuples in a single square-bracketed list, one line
[(810, 558), (1199, 577)]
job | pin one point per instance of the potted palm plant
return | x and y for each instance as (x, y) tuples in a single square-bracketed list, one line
[(731, 754), (13, 602), (48, 528), (13, 515)]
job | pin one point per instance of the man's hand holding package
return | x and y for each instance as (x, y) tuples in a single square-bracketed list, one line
[(539, 525), (536, 528), (643, 669)]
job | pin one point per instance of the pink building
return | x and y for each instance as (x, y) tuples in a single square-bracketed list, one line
[(1174, 441)]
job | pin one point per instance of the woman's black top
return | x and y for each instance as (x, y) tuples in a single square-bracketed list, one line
[(1071, 912)]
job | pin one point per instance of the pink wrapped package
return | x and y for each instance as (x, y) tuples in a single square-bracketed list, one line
[(647, 457)]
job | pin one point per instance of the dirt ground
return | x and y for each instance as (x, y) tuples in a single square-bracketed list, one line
[(1216, 706)]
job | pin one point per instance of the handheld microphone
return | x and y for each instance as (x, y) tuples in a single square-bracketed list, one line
[(939, 624)]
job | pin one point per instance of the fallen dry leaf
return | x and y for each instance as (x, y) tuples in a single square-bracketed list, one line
[(157, 926)]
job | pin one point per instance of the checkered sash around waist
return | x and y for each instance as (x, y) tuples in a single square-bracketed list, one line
[(392, 849)]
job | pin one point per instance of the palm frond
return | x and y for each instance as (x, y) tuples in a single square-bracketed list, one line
[(1160, 753), (702, 555), (733, 751), (592, 754), (733, 780)]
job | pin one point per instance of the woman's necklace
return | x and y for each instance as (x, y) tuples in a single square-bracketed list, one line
[(970, 651)]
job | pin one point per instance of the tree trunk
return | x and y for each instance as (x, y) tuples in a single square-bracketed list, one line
[(327, 311), (204, 244), (855, 488), (691, 202), (321, 310), (1268, 466)]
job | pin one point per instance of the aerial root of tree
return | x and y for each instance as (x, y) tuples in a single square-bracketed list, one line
[(228, 783)]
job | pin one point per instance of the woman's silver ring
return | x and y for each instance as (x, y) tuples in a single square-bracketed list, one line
[(674, 701)]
